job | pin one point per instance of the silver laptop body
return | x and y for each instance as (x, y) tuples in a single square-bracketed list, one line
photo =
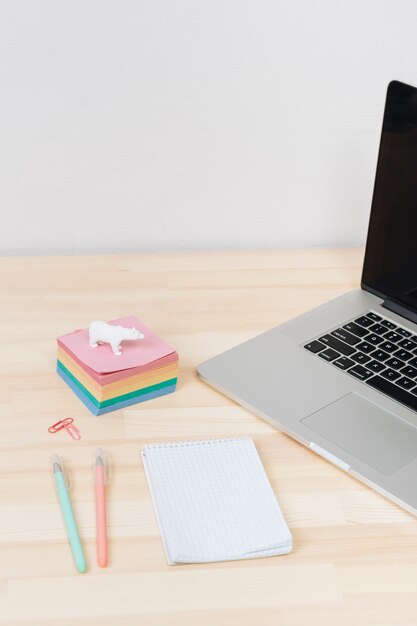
[(342, 378)]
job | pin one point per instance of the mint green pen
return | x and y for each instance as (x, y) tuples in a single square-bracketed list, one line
[(62, 486)]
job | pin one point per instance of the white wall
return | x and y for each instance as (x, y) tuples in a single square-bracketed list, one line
[(193, 123)]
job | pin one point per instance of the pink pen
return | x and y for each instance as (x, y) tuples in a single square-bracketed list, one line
[(101, 478)]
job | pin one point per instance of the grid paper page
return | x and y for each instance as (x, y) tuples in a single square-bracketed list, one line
[(213, 501)]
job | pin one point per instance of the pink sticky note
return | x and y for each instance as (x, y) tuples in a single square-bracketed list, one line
[(135, 354)]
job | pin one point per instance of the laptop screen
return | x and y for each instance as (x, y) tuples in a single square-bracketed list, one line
[(390, 266)]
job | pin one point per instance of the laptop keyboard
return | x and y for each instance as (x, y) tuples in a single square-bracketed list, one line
[(375, 351)]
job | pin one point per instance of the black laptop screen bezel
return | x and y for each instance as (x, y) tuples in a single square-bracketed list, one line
[(366, 283)]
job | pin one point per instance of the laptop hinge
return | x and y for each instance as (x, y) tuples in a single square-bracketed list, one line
[(400, 309)]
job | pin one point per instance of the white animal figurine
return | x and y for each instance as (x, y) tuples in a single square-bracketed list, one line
[(100, 332)]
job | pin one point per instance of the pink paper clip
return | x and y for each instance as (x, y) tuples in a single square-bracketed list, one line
[(66, 424), (73, 431)]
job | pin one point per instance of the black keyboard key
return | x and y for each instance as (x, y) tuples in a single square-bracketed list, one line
[(359, 357), (360, 331), (374, 316), (374, 339), (409, 371), (395, 392), (378, 329), (403, 332), (364, 321), (413, 338), (388, 346), (403, 354), (390, 374), (396, 364), (365, 347), (336, 344), (314, 346), (391, 336), (360, 372), (413, 362), (407, 344), (380, 355), (406, 383), (344, 363), (329, 354), (389, 324), (375, 366), (346, 336)]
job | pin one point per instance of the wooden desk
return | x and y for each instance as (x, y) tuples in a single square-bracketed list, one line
[(355, 553)]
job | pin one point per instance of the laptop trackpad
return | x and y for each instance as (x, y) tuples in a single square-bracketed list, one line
[(367, 431)]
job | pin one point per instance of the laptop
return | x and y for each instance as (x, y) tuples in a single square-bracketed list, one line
[(342, 378)]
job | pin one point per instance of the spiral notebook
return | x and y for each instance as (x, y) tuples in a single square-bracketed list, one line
[(213, 501)]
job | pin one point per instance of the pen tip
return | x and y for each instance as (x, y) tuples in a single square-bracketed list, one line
[(56, 463), (99, 456)]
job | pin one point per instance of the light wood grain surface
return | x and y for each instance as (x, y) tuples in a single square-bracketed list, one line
[(355, 554)]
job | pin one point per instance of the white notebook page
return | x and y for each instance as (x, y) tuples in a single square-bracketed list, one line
[(213, 501)]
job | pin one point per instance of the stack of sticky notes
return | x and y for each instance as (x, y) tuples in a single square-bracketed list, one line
[(146, 369)]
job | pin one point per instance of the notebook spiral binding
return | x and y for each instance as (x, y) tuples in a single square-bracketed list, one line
[(193, 442)]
